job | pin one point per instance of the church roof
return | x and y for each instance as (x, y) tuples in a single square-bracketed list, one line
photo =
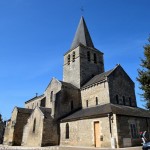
[(34, 98), (68, 85), (98, 78), (82, 35), (46, 111), (103, 76), (24, 110), (103, 110)]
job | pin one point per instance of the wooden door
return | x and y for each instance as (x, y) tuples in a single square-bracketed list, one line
[(97, 134)]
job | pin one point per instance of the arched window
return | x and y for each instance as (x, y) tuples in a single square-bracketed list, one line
[(117, 99), (130, 103), (124, 101), (96, 100), (51, 96), (43, 102), (68, 59), (87, 103), (33, 106), (73, 56), (67, 131), (34, 125), (95, 58), (71, 105), (88, 56)]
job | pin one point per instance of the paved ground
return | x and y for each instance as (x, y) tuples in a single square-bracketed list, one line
[(62, 148)]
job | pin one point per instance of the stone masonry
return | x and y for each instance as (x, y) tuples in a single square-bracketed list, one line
[(89, 107)]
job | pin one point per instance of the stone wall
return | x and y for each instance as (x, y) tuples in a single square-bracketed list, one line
[(2, 128), (35, 102), (30, 137), (88, 69), (69, 100), (99, 91), (20, 123), (81, 132), (9, 130), (50, 132), (124, 130), (6, 133), (53, 88), (14, 129), (71, 70), (120, 84), (63, 95), (80, 70)]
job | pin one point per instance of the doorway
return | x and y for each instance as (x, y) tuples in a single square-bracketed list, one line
[(97, 134)]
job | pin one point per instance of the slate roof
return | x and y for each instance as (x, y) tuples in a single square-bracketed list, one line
[(68, 85), (106, 109), (98, 78), (82, 35), (24, 110), (46, 111), (34, 98)]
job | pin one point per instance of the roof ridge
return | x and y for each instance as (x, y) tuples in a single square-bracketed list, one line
[(34, 98)]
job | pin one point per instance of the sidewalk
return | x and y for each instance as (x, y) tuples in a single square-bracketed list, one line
[(2, 147)]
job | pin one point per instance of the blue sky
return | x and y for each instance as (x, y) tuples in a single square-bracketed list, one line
[(34, 35)]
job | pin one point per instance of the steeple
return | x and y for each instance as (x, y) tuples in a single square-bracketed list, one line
[(82, 35)]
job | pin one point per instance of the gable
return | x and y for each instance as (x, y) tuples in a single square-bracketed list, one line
[(120, 74), (53, 85)]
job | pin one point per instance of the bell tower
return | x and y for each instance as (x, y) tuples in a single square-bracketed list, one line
[(83, 60)]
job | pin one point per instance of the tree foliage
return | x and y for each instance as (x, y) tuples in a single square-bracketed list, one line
[(144, 75)]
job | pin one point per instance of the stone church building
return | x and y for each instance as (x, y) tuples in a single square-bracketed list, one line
[(90, 107)]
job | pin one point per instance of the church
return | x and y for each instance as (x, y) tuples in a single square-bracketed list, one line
[(89, 107)]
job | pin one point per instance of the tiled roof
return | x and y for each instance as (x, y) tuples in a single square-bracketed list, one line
[(46, 111), (98, 78), (24, 110), (106, 109), (34, 98), (82, 35), (68, 85)]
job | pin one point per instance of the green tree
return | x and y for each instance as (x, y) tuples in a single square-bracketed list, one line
[(144, 75)]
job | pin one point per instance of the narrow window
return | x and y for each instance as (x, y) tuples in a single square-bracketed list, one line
[(87, 104), (88, 56), (68, 59), (95, 58), (130, 104), (124, 101), (43, 101), (71, 105), (34, 125), (133, 130), (33, 106), (67, 131), (73, 56), (117, 99), (96, 100), (51, 96)]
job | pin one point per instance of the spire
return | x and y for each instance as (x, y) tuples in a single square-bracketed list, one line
[(82, 35)]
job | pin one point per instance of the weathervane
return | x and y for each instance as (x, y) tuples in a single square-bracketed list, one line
[(82, 10)]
